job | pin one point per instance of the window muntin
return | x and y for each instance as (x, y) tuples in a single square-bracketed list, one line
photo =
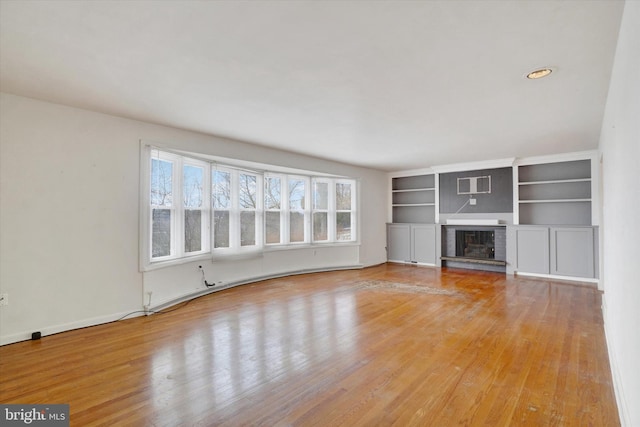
[(196, 207)]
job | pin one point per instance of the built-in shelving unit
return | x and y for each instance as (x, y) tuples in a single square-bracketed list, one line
[(413, 199), (555, 193)]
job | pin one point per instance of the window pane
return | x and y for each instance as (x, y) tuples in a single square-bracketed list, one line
[(247, 191), (247, 228), (343, 197), (296, 227), (320, 195), (272, 230), (320, 226), (343, 226), (272, 190), (161, 232), (221, 229), (192, 230), (296, 194), (161, 182), (192, 186), (221, 194)]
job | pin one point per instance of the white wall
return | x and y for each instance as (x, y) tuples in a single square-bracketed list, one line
[(620, 146), (69, 220)]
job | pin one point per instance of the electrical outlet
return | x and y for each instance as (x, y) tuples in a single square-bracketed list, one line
[(472, 201), (4, 299)]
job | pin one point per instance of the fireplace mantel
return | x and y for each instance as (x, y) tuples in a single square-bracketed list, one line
[(470, 221)]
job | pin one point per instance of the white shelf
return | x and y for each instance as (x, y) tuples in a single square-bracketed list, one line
[(413, 204), (557, 181), (554, 201), (413, 189), (555, 193)]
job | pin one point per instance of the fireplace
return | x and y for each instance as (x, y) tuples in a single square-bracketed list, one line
[(478, 244), (476, 247)]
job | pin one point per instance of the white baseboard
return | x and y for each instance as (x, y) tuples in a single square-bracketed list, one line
[(556, 277), (50, 330), (623, 411)]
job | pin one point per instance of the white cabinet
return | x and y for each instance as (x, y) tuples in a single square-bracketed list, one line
[(558, 251), (399, 242), (531, 246), (413, 243), (572, 251)]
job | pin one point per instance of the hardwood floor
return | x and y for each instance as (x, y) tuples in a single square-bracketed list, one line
[(387, 345)]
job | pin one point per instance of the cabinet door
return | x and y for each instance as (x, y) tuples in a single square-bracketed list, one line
[(572, 251), (532, 250), (398, 242), (424, 243)]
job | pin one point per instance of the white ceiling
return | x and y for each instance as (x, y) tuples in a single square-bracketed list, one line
[(391, 85)]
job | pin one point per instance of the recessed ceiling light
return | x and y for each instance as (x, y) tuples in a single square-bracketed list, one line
[(539, 73)]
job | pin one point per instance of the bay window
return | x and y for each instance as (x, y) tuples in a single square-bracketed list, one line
[(194, 207)]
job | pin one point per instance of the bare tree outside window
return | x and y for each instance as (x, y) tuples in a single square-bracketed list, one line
[(272, 205), (192, 193), (248, 204), (221, 201), (343, 212), (161, 201), (296, 210), (247, 211), (320, 211)]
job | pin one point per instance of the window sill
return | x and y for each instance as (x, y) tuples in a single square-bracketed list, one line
[(240, 256), (172, 262), (294, 246)]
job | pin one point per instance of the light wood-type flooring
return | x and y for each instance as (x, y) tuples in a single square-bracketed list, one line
[(387, 345)]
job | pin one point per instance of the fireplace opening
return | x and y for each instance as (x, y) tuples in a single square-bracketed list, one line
[(475, 244)]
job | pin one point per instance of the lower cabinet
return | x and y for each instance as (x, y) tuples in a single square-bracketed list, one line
[(531, 249), (572, 251), (414, 243), (561, 251)]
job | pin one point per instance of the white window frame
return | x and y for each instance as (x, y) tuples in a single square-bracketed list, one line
[(177, 238), (178, 252), (354, 212)]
